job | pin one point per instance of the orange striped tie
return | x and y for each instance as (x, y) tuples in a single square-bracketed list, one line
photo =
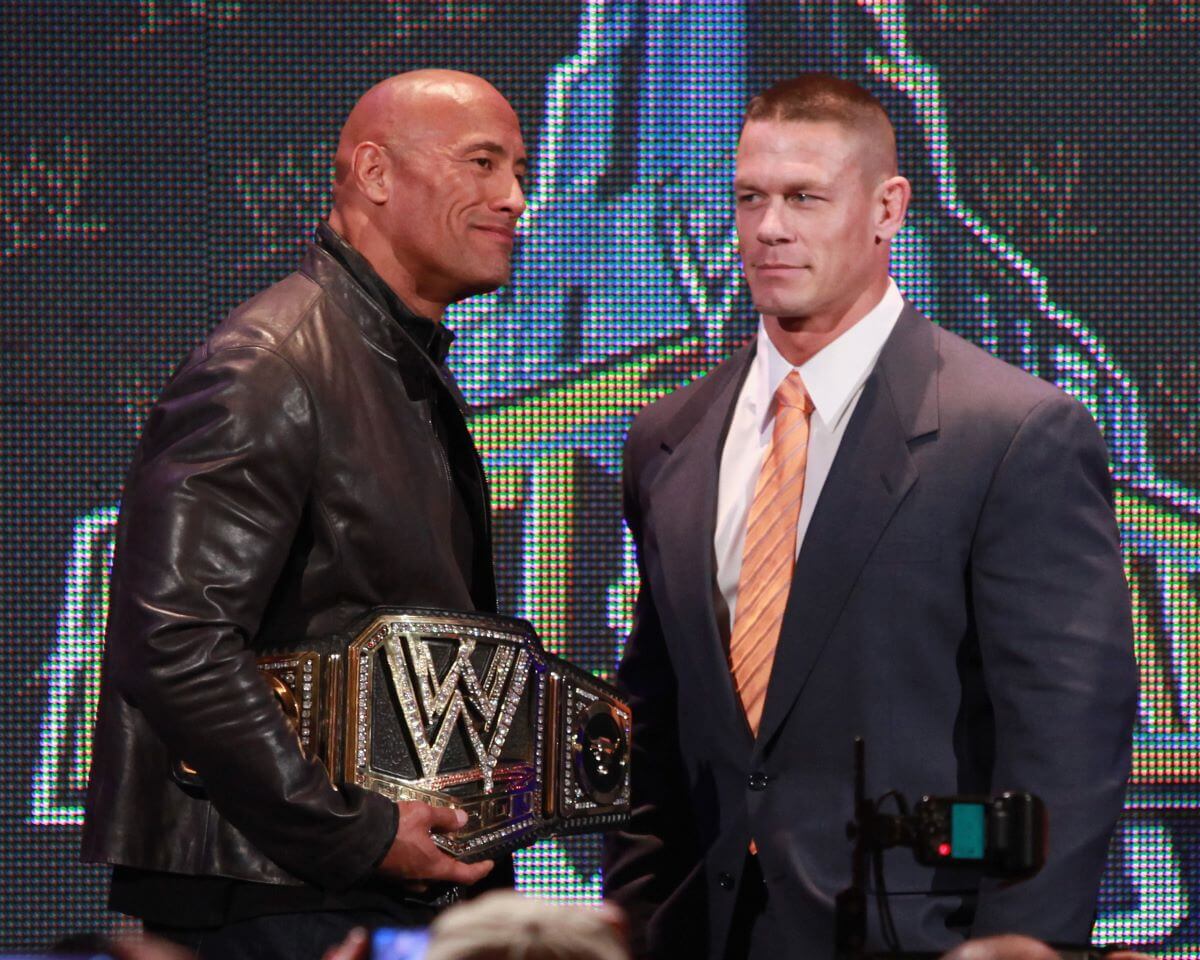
[(770, 551)]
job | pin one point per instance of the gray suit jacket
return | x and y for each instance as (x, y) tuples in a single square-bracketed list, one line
[(959, 601)]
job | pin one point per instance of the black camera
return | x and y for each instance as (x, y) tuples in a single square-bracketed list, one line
[(1004, 836)]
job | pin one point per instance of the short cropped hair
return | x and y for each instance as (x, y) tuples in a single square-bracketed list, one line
[(816, 96), (820, 97)]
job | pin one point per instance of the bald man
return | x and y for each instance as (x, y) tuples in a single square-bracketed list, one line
[(308, 462), (860, 524)]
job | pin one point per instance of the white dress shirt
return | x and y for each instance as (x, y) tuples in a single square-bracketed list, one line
[(834, 378)]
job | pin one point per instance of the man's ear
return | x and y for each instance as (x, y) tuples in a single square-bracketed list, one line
[(892, 197), (371, 171)]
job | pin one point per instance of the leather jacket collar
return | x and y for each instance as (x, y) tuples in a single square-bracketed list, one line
[(385, 320)]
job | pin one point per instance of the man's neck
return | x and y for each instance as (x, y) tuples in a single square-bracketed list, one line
[(799, 339), (362, 236)]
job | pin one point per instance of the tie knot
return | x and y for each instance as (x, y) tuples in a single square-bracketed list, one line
[(791, 393)]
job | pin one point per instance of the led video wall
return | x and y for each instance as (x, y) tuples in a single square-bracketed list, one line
[(161, 160)]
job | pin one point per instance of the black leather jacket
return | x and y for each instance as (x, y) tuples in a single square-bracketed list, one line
[(308, 462)]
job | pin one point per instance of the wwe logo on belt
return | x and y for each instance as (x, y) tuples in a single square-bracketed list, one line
[(433, 705)]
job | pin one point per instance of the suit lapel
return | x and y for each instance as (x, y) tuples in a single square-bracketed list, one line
[(870, 476), (683, 501)]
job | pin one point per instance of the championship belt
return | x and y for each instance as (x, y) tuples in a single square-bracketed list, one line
[(464, 710)]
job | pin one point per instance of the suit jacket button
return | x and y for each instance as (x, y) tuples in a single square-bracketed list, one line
[(758, 780), (725, 880)]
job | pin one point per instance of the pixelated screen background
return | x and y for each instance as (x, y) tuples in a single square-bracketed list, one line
[(161, 160)]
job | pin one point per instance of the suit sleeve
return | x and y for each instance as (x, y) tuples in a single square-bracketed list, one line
[(210, 514), (646, 863), (1052, 613)]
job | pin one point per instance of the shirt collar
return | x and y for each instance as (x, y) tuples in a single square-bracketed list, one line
[(835, 373), (432, 337)]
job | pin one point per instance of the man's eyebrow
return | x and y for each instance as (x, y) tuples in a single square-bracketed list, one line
[(798, 185), (742, 183), (491, 146)]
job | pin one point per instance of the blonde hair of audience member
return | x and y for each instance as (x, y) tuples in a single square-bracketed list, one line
[(1011, 946), (1008, 946), (504, 925)]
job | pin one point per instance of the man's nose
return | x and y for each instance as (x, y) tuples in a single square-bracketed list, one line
[(513, 203), (772, 228)]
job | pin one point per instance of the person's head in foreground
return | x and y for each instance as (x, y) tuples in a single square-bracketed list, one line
[(1011, 946), (504, 925)]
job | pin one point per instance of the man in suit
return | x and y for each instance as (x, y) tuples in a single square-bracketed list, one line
[(860, 524)]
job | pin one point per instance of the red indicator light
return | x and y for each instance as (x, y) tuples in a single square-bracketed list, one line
[(943, 849)]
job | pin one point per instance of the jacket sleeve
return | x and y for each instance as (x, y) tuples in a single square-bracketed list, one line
[(1052, 612), (647, 863), (210, 514)]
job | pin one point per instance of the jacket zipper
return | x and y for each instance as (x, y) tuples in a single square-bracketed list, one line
[(441, 449), (481, 476)]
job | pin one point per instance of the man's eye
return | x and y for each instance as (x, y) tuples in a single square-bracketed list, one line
[(484, 162), (747, 197), (801, 197)]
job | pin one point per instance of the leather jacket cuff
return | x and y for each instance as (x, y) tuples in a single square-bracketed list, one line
[(387, 845)]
